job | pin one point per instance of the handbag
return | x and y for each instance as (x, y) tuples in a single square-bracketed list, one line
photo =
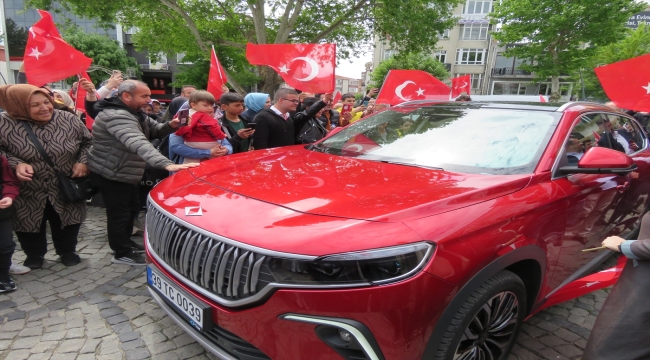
[(71, 190)]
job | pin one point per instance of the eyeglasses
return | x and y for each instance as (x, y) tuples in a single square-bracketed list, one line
[(293, 101)]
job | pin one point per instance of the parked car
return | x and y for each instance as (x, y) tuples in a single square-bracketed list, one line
[(427, 231)]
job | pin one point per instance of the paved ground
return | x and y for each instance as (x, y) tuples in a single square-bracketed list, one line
[(96, 310)]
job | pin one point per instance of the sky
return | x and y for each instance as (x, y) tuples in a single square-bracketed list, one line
[(353, 67)]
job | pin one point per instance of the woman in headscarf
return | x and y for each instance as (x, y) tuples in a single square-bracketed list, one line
[(66, 141), (255, 102), (62, 97)]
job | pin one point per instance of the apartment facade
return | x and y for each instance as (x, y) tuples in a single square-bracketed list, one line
[(469, 49), (347, 85)]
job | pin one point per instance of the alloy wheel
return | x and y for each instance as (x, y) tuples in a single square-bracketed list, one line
[(491, 330)]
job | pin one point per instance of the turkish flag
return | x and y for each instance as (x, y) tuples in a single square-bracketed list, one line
[(627, 83), (460, 85), (360, 144), (407, 85), (79, 102), (217, 77), (308, 67), (48, 57), (337, 97)]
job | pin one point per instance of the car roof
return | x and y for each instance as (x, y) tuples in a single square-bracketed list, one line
[(518, 105)]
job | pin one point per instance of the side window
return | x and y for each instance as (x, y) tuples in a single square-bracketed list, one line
[(580, 139), (632, 129)]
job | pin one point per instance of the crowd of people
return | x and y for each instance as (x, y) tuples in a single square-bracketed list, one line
[(43, 137)]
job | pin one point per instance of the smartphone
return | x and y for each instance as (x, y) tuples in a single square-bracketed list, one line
[(251, 126), (184, 117), (117, 72), (365, 103), (347, 108)]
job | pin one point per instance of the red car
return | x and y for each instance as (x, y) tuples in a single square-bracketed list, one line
[(427, 231)]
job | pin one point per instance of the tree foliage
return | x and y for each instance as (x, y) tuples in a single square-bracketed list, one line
[(636, 43), (191, 26), (107, 54), (419, 61), (553, 35)]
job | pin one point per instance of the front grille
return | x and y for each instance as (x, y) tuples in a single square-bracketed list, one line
[(230, 272)]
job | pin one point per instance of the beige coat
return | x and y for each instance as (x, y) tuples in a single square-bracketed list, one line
[(66, 141)]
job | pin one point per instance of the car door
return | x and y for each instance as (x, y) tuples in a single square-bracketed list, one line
[(593, 205), (635, 200)]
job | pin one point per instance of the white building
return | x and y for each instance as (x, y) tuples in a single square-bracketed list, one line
[(468, 48)]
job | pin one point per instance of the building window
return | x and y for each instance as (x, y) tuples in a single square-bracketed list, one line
[(180, 59), (444, 35), (475, 31), (352, 90), (440, 55), (470, 56), (389, 54), (475, 80), (477, 7), (515, 88)]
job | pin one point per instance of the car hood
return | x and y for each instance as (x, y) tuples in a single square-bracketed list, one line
[(323, 184)]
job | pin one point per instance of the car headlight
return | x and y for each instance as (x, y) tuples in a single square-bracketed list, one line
[(378, 266)]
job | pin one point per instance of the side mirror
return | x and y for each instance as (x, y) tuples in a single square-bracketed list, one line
[(601, 160)]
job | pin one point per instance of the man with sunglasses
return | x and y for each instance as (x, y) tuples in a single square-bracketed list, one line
[(278, 125)]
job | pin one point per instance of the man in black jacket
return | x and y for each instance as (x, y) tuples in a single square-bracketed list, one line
[(275, 127)]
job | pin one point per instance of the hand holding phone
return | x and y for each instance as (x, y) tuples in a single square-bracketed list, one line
[(251, 126), (365, 103), (347, 108), (184, 117)]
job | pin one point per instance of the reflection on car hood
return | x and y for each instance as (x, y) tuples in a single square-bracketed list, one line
[(323, 184)]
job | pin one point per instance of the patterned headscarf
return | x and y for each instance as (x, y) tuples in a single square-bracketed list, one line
[(14, 99)]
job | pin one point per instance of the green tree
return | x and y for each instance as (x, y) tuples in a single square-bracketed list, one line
[(106, 53), (636, 43), (191, 26), (553, 35), (419, 61)]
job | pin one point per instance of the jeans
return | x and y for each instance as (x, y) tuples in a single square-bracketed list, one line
[(122, 206), (64, 239), (7, 246)]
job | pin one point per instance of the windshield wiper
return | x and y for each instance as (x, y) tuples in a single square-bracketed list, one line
[(410, 164), (315, 147)]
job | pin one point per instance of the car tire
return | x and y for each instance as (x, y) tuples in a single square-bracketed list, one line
[(466, 337)]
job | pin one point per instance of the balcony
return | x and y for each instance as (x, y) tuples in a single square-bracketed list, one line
[(156, 66), (508, 71)]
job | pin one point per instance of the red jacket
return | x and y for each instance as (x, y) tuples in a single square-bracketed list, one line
[(10, 184), (202, 128)]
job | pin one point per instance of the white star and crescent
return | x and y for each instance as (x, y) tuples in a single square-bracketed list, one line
[(461, 86), (420, 91), (315, 69), (647, 88), (35, 53)]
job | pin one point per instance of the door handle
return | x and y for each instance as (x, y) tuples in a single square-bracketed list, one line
[(624, 187)]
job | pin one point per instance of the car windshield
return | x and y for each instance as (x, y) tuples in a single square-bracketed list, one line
[(462, 139)]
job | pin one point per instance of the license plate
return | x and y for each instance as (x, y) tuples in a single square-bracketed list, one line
[(196, 312)]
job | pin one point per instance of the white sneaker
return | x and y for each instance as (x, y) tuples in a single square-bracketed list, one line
[(17, 269)]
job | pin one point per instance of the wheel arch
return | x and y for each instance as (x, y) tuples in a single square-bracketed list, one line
[(528, 262)]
